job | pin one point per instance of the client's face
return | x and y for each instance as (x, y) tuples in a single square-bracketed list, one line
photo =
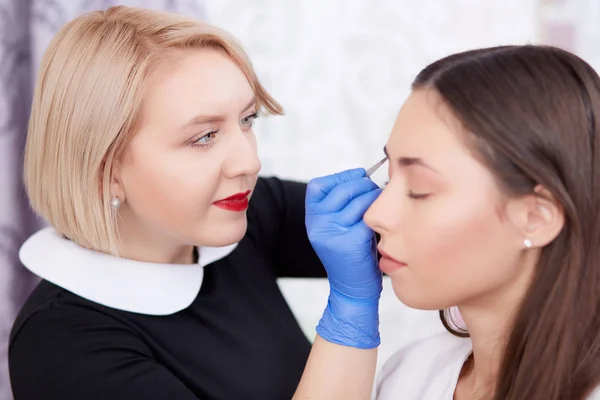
[(441, 216), (195, 147)]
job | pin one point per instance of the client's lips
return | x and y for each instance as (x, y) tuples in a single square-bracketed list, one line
[(388, 264), (236, 202)]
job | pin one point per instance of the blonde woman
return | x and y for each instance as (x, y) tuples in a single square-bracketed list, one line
[(159, 268)]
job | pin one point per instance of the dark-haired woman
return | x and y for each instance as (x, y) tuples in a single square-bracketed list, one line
[(492, 206)]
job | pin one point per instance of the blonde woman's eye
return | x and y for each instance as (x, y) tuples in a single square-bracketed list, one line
[(206, 140), (249, 120)]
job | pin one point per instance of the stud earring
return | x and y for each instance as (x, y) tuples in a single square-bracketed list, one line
[(527, 243), (115, 203)]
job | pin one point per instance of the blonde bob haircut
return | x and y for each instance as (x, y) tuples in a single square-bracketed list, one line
[(86, 104)]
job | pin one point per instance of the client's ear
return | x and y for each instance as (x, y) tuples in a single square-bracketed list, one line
[(538, 217)]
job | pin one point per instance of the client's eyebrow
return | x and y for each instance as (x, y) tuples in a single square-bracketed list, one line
[(211, 119), (410, 161)]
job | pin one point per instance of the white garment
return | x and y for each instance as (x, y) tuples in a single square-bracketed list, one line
[(428, 370), (119, 283)]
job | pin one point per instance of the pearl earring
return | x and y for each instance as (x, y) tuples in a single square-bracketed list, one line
[(527, 243), (115, 203)]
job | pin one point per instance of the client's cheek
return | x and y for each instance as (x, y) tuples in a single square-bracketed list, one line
[(445, 245)]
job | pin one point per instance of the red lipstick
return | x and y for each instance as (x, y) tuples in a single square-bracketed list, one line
[(387, 264), (237, 202)]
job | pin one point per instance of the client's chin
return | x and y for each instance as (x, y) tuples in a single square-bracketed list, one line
[(417, 299)]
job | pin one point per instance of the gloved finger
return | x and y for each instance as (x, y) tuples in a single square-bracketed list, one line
[(362, 233), (318, 188), (341, 195), (355, 210)]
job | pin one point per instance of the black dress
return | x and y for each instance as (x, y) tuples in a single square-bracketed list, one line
[(237, 340)]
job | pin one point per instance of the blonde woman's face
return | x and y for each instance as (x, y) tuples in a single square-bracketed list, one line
[(195, 147)]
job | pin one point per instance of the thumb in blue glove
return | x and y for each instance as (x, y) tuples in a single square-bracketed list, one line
[(335, 206)]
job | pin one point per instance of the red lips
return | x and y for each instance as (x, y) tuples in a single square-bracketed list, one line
[(237, 202), (387, 264)]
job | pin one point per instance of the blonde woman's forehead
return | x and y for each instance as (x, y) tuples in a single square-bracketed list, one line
[(204, 81)]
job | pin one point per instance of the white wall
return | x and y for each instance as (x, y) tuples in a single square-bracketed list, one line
[(341, 68)]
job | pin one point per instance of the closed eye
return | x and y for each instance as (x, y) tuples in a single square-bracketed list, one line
[(417, 196)]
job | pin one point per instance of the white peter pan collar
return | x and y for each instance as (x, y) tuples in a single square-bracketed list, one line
[(119, 283)]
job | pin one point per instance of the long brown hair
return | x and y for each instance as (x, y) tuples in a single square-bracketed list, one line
[(533, 114)]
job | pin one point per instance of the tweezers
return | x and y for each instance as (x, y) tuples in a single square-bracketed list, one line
[(375, 167)]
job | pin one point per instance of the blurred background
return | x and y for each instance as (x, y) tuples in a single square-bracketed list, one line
[(341, 69)]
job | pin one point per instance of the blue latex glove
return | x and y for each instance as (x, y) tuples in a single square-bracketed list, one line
[(335, 206)]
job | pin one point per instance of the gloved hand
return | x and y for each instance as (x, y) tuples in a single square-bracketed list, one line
[(335, 206)]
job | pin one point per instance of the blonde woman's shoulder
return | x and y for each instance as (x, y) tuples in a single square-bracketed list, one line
[(425, 369)]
